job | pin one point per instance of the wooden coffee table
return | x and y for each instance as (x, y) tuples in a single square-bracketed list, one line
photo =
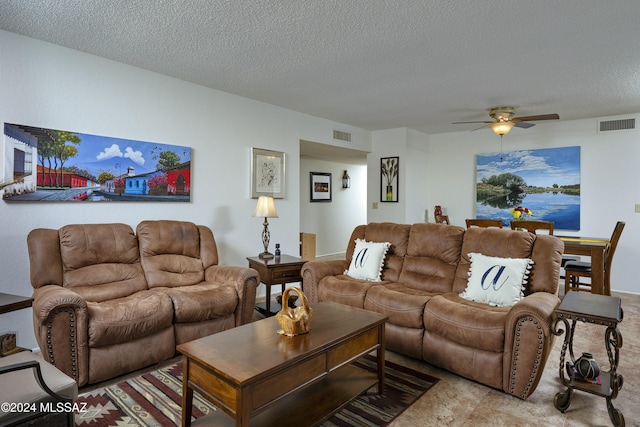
[(258, 377)]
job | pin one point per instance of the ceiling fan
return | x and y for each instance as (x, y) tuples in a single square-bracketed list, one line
[(503, 120)]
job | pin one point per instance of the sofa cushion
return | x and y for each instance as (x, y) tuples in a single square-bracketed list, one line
[(205, 301), (403, 305), (468, 323), (105, 282), (432, 256), (127, 319), (496, 281), (89, 244), (495, 242), (100, 261), (170, 253), (396, 234), (368, 259), (344, 290)]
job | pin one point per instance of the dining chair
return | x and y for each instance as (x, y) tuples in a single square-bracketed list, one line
[(442, 219), (476, 222), (575, 270), (533, 225)]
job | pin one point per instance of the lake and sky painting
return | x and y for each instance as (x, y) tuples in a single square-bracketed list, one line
[(547, 181)]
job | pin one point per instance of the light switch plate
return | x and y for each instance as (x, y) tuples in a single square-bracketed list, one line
[(637, 208)]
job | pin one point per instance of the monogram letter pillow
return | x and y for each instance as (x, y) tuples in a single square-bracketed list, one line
[(497, 281), (368, 259)]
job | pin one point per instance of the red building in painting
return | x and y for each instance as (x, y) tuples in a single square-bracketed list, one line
[(57, 178), (179, 179)]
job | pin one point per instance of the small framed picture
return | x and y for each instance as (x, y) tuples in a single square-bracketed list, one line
[(320, 187), (389, 168), (267, 173)]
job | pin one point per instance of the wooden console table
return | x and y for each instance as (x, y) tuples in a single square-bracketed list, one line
[(276, 271), (599, 310)]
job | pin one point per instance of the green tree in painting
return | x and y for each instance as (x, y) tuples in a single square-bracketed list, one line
[(105, 176), (56, 152), (167, 160), (512, 182)]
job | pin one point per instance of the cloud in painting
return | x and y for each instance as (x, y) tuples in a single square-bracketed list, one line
[(114, 151), (136, 156), (110, 152)]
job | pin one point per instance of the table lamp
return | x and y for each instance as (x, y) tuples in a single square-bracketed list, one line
[(267, 209)]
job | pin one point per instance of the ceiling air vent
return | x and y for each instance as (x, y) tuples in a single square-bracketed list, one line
[(342, 136), (612, 125)]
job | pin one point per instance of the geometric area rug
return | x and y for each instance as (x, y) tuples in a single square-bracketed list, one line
[(154, 399)]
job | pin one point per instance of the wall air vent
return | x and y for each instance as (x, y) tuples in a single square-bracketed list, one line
[(342, 136), (612, 125)]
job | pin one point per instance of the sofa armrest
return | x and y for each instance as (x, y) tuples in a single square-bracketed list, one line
[(245, 280), (61, 328), (528, 341), (314, 271)]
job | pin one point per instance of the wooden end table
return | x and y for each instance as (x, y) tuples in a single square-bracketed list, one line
[(257, 377), (276, 271), (599, 310), (10, 302)]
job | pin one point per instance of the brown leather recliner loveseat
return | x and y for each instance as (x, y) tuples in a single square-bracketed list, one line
[(425, 271), (108, 301)]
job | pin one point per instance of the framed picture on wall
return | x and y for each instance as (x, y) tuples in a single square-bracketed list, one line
[(53, 165), (389, 168), (546, 181), (267, 173), (320, 186)]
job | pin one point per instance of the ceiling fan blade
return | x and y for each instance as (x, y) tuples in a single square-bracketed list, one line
[(460, 123), (483, 126), (523, 125), (536, 118)]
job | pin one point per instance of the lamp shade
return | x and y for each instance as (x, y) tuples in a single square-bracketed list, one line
[(265, 208), (501, 128)]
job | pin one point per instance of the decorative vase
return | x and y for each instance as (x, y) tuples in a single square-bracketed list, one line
[(389, 193), (587, 367), (294, 321)]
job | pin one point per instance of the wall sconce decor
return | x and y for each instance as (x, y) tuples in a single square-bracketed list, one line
[(266, 209), (346, 180)]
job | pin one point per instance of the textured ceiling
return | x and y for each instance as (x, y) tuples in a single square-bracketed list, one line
[(372, 64)]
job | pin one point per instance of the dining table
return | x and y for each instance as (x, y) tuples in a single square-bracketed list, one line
[(594, 247)]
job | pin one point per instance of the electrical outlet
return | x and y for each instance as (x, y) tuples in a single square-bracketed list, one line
[(637, 208), (375, 206)]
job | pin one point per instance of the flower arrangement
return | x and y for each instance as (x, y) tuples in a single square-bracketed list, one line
[(519, 211)]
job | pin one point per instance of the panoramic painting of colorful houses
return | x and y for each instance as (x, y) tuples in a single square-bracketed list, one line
[(41, 164)]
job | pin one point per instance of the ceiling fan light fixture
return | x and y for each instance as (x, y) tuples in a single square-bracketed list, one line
[(501, 128)]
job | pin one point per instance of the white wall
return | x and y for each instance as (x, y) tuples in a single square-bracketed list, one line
[(49, 86), (411, 148), (333, 223), (609, 180)]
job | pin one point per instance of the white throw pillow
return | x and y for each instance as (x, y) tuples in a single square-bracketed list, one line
[(367, 260), (497, 281)]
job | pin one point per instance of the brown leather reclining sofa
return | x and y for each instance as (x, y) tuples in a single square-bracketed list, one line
[(108, 301), (425, 270)]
